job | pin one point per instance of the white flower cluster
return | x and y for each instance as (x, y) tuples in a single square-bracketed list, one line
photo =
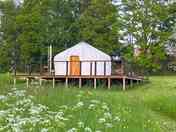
[(20, 113)]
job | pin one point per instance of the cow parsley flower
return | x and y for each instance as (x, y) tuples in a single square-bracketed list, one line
[(19, 93), (72, 130), (102, 120), (91, 106), (116, 118), (108, 125), (107, 115), (98, 131), (78, 105), (87, 129), (95, 101), (44, 130), (3, 98), (105, 107), (80, 124)]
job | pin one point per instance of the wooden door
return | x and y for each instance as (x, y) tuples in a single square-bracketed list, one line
[(74, 65)]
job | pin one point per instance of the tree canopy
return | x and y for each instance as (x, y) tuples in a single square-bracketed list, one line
[(27, 29)]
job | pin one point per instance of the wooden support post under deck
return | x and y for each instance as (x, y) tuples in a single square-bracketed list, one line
[(137, 81), (40, 82), (80, 82), (124, 83), (109, 83), (131, 82), (14, 82), (53, 82), (27, 82), (95, 83), (66, 82)]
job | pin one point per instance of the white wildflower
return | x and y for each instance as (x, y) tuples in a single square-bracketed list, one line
[(105, 107), (72, 130), (87, 129), (10, 94), (42, 107), (80, 124), (3, 98), (26, 102), (95, 101), (37, 109), (102, 120), (14, 89), (19, 93), (108, 125), (3, 113), (98, 131), (34, 120), (107, 115), (46, 121), (65, 107), (61, 113), (91, 106), (70, 116), (80, 94), (44, 130), (59, 116), (16, 129), (80, 104), (116, 118), (2, 128)]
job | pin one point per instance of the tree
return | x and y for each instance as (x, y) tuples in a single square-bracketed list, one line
[(145, 21), (99, 25), (8, 34), (34, 25)]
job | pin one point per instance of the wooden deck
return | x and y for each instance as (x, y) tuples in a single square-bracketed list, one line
[(54, 78), (80, 77)]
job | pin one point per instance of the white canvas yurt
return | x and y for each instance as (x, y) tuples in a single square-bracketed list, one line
[(81, 60)]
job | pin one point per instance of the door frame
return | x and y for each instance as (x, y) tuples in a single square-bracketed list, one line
[(75, 68)]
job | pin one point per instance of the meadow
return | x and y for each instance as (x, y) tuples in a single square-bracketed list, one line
[(148, 107)]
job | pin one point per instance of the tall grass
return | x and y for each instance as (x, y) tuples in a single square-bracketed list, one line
[(145, 108), (5, 82)]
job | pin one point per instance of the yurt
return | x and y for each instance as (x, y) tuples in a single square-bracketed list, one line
[(82, 59)]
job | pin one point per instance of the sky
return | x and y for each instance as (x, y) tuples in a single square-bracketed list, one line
[(17, 2)]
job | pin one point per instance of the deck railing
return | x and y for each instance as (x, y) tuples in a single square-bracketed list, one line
[(43, 69), (93, 66)]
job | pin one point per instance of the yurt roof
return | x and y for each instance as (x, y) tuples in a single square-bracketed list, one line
[(84, 50)]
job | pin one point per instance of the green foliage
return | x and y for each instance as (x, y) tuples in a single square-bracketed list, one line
[(28, 29), (8, 33), (146, 21), (99, 25)]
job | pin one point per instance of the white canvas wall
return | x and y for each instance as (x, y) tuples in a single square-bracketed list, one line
[(86, 53)]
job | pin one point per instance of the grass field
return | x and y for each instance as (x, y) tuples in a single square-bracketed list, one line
[(149, 107)]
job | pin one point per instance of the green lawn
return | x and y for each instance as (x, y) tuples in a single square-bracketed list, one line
[(149, 107)]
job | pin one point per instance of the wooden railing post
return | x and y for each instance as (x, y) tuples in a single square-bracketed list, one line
[(80, 68), (53, 81), (95, 73), (66, 68), (104, 68), (124, 83), (41, 66), (90, 68)]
